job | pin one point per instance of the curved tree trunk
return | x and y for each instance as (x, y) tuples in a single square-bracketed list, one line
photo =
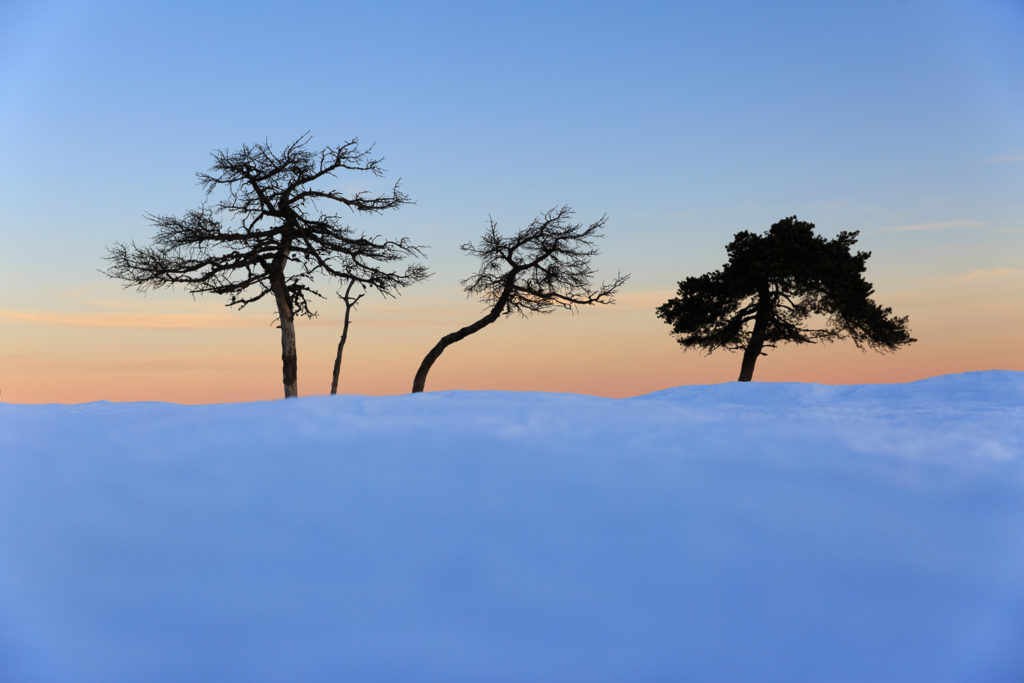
[(757, 335), (420, 381)]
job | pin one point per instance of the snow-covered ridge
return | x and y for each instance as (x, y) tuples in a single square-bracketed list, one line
[(993, 387), (751, 531)]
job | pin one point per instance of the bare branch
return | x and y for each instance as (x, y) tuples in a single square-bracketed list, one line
[(543, 266)]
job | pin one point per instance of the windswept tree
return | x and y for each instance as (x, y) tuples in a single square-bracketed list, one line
[(273, 231), (772, 284), (544, 266)]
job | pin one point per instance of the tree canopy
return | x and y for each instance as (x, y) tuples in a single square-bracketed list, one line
[(771, 287)]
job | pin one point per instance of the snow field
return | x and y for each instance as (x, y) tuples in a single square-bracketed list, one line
[(782, 532)]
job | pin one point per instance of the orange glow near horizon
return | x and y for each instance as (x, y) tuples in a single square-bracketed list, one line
[(219, 355)]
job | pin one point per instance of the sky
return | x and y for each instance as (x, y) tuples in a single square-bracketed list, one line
[(684, 123)]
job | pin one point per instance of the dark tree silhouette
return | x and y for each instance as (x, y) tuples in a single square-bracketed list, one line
[(543, 266), (280, 236), (350, 303), (769, 288)]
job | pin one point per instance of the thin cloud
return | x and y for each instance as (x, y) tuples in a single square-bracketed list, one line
[(134, 321), (990, 273), (941, 225), (197, 321), (1008, 159)]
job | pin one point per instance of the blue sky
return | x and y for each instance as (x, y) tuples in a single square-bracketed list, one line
[(685, 123), (651, 113)]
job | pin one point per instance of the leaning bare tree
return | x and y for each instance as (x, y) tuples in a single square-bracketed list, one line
[(272, 234), (543, 266)]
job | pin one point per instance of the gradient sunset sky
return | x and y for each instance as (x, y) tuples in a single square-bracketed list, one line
[(684, 122)]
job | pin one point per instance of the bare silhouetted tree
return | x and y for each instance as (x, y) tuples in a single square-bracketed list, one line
[(350, 303), (770, 287), (271, 235), (543, 266)]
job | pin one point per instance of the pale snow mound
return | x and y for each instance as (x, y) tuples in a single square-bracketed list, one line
[(736, 532)]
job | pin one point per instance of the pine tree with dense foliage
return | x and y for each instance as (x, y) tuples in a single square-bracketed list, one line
[(773, 286)]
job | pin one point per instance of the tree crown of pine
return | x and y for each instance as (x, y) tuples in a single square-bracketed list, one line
[(785, 275)]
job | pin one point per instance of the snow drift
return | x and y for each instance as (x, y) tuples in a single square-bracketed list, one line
[(788, 532)]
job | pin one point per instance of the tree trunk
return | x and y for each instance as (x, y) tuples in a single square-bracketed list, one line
[(420, 381), (337, 358), (349, 303), (289, 358), (289, 355), (750, 355), (753, 350)]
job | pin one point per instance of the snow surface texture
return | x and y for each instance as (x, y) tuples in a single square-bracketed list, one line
[(736, 532)]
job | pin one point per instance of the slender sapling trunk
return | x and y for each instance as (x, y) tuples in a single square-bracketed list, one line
[(349, 305)]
